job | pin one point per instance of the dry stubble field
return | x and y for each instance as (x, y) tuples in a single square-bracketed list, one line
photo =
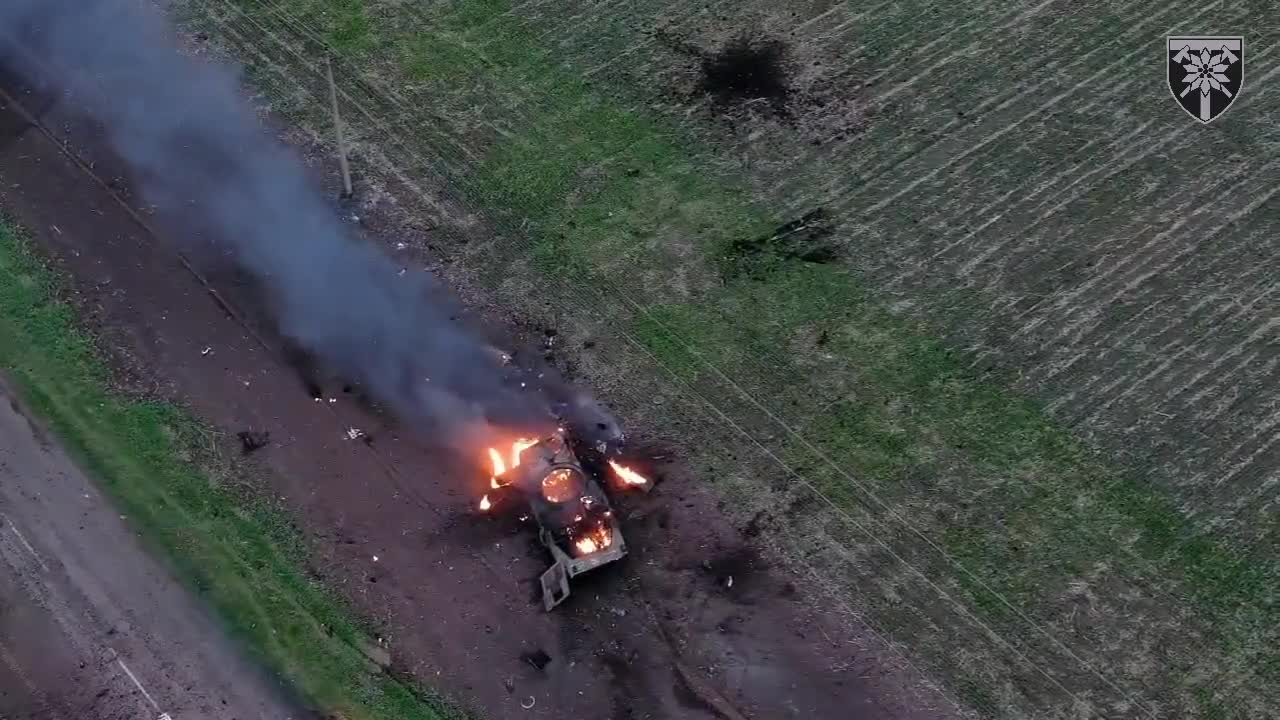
[(955, 307)]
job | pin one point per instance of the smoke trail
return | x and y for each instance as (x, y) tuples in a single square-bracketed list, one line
[(197, 148)]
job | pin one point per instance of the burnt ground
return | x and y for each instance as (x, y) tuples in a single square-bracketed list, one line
[(754, 79), (693, 624)]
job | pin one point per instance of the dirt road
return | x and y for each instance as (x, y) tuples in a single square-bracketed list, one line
[(90, 625), (694, 624)]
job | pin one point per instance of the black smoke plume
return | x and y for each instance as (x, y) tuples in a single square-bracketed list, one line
[(196, 148)]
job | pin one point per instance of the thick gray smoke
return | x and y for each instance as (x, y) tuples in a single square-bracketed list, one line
[(195, 145)]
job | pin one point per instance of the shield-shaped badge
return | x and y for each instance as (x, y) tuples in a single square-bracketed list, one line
[(1206, 74)]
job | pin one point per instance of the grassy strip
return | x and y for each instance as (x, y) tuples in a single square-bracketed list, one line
[(242, 557)]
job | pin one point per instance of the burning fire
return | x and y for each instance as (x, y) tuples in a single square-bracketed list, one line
[(500, 465), (559, 486), (596, 539), (495, 458), (627, 475)]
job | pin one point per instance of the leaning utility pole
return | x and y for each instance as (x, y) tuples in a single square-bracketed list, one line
[(337, 126)]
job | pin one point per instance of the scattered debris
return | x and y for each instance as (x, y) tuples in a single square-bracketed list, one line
[(354, 433), (251, 440), (206, 351), (529, 703)]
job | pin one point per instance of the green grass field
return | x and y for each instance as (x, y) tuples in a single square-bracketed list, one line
[(164, 471), (1036, 570)]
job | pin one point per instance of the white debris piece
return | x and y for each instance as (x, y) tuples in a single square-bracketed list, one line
[(206, 351), (354, 433)]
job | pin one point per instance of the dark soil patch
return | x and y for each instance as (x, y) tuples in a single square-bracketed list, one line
[(539, 659), (744, 72), (755, 80), (735, 569), (251, 440), (805, 239), (748, 69)]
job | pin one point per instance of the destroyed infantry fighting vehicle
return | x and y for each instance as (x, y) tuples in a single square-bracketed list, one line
[(575, 521)]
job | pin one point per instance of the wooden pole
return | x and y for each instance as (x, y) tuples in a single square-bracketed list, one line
[(337, 127)]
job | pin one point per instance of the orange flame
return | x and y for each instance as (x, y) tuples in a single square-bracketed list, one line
[(595, 540), (520, 446), (495, 457), (500, 464), (484, 503), (627, 475)]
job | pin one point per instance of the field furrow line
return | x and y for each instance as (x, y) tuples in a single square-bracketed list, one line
[(1262, 439), (1102, 346), (1215, 368), (1044, 65), (992, 135), (1016, 16), (1134, 254), (1107, 394), (1151, 315), (921, 54), (460, 152), (649, 40), (1077, 190), (836, 7), (1231, 401), (1124, 283), (912, 271), (1266, 493), (1038, 248), (1214, 383), (427, 198)]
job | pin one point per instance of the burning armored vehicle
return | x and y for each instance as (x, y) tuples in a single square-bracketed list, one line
[(575, 520)]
